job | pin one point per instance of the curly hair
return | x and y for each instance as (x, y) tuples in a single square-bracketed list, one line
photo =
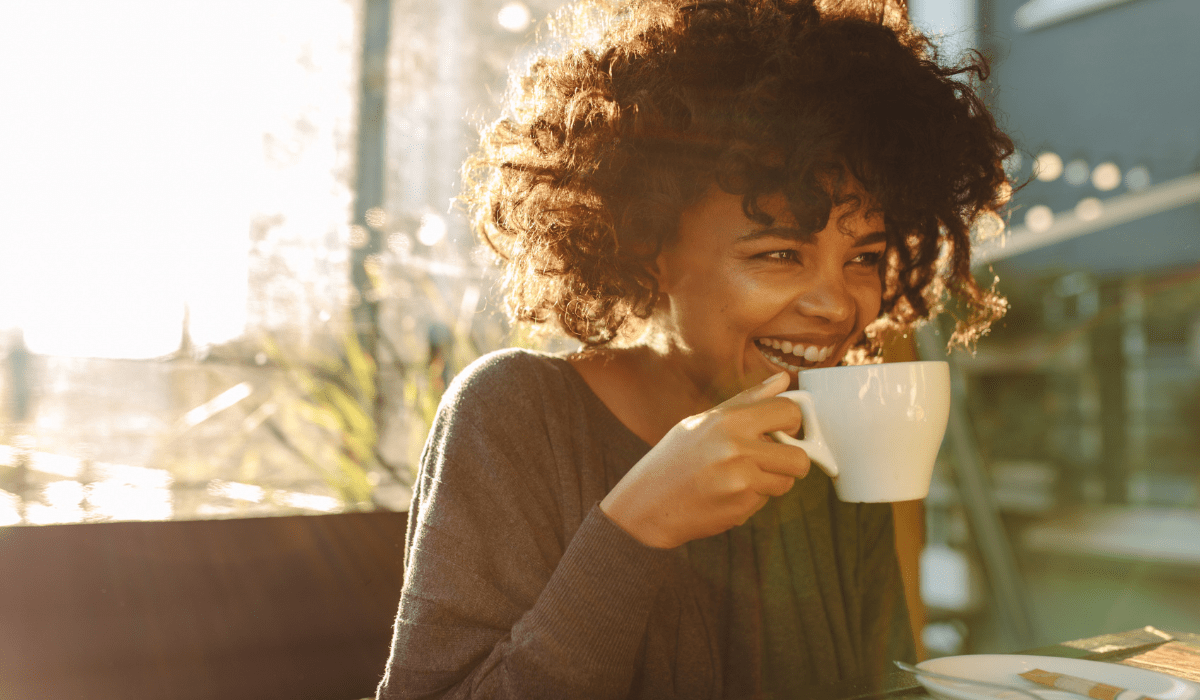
[(580, 184)]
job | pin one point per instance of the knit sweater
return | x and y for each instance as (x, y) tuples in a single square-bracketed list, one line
[(518, 586)]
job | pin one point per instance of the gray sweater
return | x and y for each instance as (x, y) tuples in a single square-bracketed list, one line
[(518, 586)]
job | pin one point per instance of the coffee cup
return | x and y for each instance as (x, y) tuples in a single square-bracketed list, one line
[(874, 429)]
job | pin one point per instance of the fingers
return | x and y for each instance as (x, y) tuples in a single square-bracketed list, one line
[(774, 484), (775, 413), (770, 469), (760, 411), (766, 415), (776, 458), (770, 387)]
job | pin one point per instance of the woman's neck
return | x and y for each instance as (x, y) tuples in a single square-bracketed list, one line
[(642, 388)]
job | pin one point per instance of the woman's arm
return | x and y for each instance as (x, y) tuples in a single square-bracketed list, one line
[(499, 601)]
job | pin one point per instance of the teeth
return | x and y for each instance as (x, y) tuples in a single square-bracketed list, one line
[(776, 361), (803, 353)]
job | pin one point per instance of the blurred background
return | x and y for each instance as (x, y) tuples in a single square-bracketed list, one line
[(233, 282)]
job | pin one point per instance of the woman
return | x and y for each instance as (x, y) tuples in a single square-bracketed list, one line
[(711, 197)]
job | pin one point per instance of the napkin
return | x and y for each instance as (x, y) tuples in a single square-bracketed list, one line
[(1175, 658), (1081, 686)]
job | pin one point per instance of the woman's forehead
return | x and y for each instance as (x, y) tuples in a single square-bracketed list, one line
[(850, 200)]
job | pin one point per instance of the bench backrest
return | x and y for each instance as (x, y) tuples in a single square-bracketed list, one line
[(288, 607)]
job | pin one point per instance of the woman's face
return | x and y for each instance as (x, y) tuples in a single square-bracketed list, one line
[(743, 300)]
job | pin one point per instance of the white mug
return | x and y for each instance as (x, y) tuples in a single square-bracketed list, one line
[(874, 429)]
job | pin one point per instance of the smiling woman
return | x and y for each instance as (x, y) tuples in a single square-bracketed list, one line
[(721, 260), (703, 194)]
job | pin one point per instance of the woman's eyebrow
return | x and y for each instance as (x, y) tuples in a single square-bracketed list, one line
[(800, 236), (871, 238), (788, 232)]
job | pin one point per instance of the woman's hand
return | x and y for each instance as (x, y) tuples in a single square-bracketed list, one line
[(712, 471)]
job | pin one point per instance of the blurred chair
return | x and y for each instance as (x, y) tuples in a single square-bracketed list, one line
[(909, 517)]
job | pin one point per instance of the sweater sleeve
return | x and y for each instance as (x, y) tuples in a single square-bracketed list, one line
[(499, 600)]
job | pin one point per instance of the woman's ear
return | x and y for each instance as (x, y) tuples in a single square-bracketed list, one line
[(660, 269), (655, 267)]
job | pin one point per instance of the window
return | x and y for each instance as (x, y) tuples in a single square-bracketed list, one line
[(175, 289)]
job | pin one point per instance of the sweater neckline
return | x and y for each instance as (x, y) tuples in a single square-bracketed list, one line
[(600, 410)]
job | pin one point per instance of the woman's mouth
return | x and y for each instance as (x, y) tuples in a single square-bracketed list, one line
[(792, 356)]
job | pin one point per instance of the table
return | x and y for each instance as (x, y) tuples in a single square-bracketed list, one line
[(1177, 653), (1168, 651)]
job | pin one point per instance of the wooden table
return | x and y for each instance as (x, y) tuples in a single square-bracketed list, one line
[(1173, 652)]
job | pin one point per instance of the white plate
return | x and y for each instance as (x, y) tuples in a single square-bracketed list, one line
[(1003, 668)]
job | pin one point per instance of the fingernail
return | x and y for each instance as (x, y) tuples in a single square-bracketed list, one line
[(772, 378)]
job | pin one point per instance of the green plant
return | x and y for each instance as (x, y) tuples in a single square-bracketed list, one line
[(326, 417)]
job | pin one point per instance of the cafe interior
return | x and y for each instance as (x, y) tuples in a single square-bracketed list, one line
[(234, 284)]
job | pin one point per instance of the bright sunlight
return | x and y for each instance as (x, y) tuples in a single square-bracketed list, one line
[(139, 139)]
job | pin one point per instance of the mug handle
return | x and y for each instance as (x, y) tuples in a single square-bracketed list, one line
[(813, 443)]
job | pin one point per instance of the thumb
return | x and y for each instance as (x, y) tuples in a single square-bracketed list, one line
[(771, 386)]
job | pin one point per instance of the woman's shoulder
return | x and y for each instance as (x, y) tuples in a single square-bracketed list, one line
[(512, 379), (514, 360)]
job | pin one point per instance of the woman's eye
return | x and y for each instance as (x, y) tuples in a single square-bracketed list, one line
[(783, 255), (871, 259)]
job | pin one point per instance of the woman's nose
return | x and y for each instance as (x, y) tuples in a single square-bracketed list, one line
[(827, 297)]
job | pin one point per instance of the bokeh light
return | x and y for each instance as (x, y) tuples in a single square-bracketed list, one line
[(433, 229), (1013, 163), (1004, 193), (514, 17), (400, 244), (987, 225), (1077, 172), (1138, 178), (1048, 166), (1106, 177), (375, 217), (358, 236), (1039, 218), (373, 264)]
